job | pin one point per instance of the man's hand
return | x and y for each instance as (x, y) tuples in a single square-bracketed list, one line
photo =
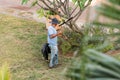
[(54, 35), (59, 32)]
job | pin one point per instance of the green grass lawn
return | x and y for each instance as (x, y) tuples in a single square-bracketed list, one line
[(20, 43)]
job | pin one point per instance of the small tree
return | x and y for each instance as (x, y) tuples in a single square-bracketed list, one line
[(68, 9)]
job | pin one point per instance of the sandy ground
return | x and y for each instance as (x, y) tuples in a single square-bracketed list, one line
[(15, 8)]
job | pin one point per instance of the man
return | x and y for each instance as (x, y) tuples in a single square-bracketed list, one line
[(52, 40)]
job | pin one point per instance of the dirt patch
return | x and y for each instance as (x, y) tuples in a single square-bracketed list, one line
[(69, 55), (14, 8), (114, 52), (21, 8)]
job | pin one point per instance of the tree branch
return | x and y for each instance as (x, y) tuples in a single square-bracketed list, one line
[(74, 10), (81, 11), (42, 7), (46, 5), (60, 6)]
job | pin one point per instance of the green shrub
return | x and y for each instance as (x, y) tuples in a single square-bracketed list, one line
[(94, 66)]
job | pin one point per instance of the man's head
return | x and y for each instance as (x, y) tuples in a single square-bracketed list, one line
[(54, 22)]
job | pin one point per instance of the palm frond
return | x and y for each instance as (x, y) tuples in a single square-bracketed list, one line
[(109, 11), (109, 25), (97, 66), (116, 2)]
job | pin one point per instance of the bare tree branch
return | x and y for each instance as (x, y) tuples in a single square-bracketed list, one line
[(74, 10), (77, 13), (80, 12), (66, 9), (42, 7), (60, 6), (46, 5)]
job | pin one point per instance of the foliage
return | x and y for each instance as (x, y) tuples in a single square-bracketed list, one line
[(81, 3), (24, 1), (93, 37), (117, 56), (43, 13), (112, 12), (4, 72), (95, 66), (65, 47)]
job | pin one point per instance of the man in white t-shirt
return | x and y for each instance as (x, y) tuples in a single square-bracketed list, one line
[(52, 40)]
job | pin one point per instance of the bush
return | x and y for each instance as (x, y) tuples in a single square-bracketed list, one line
[(94, 66)]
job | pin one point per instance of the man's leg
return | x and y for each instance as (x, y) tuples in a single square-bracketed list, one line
[(52, 56), (56, 55)]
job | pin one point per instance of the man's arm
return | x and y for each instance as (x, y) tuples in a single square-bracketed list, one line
[(54, 35)]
